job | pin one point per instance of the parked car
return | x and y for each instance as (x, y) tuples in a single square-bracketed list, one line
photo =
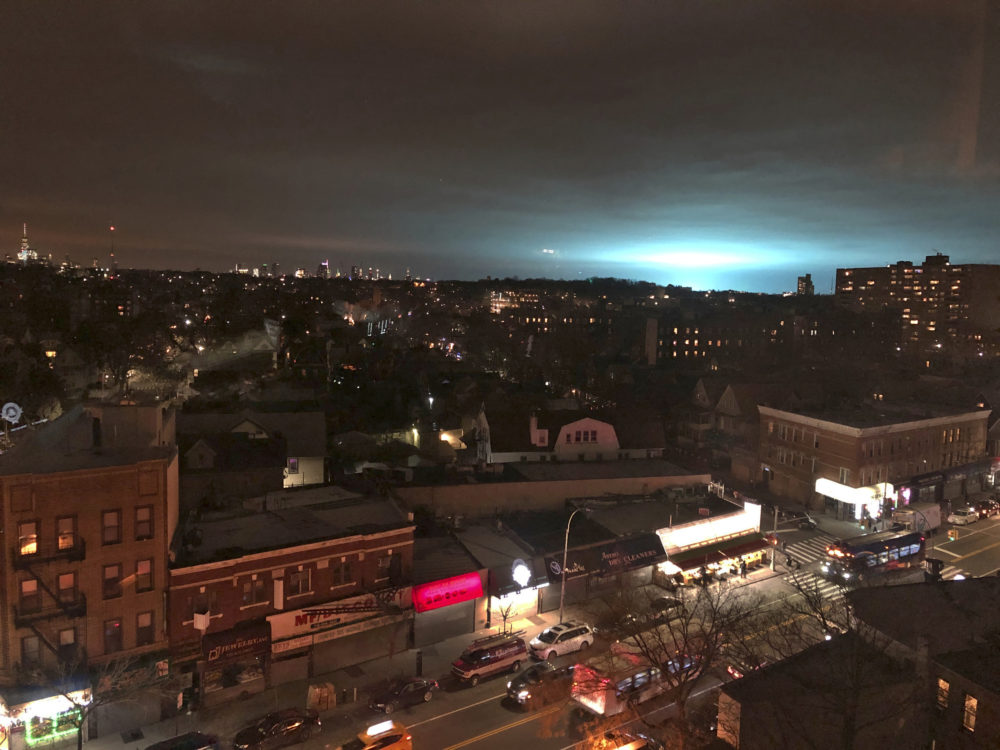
[(963, 516), (386, 735), (188, 741), (489, 656), (540, 684), (739, 666), (564, 638), (987, 508), (402, 694), (666, 608), (279, 729), (681, 664)]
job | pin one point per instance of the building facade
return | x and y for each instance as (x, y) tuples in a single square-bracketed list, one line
[(806, 458), (85, 519), (266, 597)]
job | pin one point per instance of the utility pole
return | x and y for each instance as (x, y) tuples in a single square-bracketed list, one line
[(774, 533)]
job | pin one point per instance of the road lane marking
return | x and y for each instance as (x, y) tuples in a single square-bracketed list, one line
[(505, 727), (457, 710)]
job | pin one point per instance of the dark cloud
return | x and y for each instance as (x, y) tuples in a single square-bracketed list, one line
[(461, 138)]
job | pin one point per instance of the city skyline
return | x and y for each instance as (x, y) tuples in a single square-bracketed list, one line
[(704, 145)]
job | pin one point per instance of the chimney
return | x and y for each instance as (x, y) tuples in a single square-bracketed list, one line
[(95, 428)]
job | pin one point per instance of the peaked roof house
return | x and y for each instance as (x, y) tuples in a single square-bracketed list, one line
[(565, 435), (303, 432)]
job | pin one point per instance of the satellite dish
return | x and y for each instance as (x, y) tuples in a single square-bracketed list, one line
[(11, 412)]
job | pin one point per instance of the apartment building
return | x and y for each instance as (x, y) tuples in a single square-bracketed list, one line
[(855, 460), (88, 504)]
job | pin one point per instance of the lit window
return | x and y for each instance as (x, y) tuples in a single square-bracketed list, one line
[(969, 713), (942, 694), (144, 522), (111, 527), (66, 533), (27, 533), (144, 575)]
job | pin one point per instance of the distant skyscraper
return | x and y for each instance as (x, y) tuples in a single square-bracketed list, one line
[(408, 277), (806, 285)]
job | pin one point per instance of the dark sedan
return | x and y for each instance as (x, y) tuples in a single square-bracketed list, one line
[(987, 508), (279, 729), (540, 684), (401, 694)]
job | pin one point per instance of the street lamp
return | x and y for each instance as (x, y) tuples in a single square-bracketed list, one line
[(562, 588)]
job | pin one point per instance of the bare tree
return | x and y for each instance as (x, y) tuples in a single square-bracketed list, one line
[(87, 690), (839, 687), (683, 641)]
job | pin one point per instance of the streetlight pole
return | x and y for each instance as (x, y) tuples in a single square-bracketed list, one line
[(775, 532), (562, 588)]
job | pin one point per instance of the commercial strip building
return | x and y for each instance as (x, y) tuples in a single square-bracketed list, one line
[(853, 463), (319, 581)]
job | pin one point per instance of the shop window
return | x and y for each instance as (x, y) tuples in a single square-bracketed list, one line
[(942, 694), (143, 628), (65, 533), (144, 575), (254, 591), (31, 598), (969, 713), (112, 636), (112, 581), (27, 535), (144, 522), (30, 651), (67, 587), (297, 582), (111, 527)]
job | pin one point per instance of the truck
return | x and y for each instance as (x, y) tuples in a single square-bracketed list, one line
[(925, 517)]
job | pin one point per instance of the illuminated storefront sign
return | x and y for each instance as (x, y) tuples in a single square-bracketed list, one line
[(463, 588), (871, 497), (236, 643), (618, 556), (45, 720)]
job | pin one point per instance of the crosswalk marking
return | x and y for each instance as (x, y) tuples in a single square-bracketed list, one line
[(812, 583), (809, 550)]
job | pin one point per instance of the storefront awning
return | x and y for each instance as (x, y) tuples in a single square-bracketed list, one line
[(627, 553), (719, 551), (502, 577)]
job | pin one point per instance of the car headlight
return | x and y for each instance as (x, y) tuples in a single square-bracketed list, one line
[(523, 695), (509, 683)]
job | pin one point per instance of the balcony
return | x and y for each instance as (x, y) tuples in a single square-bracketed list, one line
[(76, 552), (25, 616)]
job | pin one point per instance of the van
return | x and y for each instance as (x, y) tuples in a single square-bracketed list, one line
[(189, 741), (490, 656)]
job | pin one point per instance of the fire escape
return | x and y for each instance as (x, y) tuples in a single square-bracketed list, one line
[(49, 602)]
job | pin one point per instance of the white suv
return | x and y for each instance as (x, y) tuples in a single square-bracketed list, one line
[(563, 638)]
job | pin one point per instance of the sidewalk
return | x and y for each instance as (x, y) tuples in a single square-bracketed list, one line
[(347, 718)]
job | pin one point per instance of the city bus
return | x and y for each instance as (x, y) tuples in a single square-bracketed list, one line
[(853, 560)]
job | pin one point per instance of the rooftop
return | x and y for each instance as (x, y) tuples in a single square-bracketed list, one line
[(73, 442), (862, 416), (330, 515), (553, 471), (954, 615), (635, 514)]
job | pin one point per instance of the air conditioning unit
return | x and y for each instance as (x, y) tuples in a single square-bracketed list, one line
[(201, 621)]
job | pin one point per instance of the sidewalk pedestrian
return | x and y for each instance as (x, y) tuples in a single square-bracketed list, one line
[(743, 568)]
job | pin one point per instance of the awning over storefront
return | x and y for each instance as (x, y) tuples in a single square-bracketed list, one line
[(242, 641), (627, 553), (504, 579), (719, 551)]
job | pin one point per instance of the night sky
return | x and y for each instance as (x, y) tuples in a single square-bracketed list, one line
[(711, 143)]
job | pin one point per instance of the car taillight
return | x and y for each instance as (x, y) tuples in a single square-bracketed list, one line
[(408, 738)]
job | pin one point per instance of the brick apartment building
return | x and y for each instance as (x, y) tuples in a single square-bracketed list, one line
[(306, 582), (823, 458), (88, 504)]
